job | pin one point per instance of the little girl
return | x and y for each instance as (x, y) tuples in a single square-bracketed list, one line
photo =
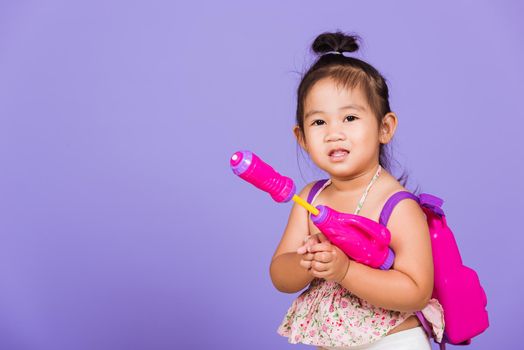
[(344, 123)]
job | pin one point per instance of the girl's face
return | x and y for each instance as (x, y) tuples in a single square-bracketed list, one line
[(341, 132)]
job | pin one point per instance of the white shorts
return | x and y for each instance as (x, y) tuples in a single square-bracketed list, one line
[(410, 339)]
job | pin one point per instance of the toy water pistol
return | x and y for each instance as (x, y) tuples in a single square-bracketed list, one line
[(362, 239)]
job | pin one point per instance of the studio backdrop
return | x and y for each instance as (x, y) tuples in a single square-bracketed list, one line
[(122, 225)]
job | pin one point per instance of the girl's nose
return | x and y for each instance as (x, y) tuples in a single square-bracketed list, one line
[(335, 134)]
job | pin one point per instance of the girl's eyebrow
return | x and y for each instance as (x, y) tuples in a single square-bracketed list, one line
[(357, 107)]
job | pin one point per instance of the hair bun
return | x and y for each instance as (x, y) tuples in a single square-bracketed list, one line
[(338, 41)]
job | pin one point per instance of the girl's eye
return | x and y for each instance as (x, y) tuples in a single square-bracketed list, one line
[(351, 118), (317, 122)]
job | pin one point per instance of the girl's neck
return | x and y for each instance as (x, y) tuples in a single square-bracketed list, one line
[(354, 185)]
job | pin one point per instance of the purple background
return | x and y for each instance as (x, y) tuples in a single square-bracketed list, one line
[(122, 226)]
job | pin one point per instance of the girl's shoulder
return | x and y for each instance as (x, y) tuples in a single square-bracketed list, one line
[(389, 186), (379, 196), (403, 211), (310, 188)]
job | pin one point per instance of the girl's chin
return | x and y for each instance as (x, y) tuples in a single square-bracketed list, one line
[(339, 170)]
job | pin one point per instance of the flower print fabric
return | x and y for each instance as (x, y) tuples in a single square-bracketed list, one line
[(327, 314)]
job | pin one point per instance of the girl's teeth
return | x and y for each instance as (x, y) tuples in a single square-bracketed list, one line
[(339, 153)]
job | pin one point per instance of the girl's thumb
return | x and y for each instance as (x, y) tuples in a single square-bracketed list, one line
[(301, 250)]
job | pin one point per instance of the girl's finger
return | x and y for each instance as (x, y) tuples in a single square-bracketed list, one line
[(305, 248), (311, 242), (302, 249), (319, 266), (315, 237), (308, 257), (319, 274), (323, 257), (308, 242), (305, 264), (320, 247), (321, 237)]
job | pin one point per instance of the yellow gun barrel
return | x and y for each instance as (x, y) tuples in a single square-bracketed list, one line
[(306, 205)]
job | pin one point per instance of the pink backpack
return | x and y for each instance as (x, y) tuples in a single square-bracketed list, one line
[(456, 287)]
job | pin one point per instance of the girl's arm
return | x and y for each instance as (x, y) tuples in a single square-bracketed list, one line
[(286, 273), (409, 284)]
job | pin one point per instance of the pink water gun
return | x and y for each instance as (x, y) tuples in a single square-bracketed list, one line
[(362, 239)]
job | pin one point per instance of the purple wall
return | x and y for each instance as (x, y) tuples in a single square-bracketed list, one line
[(122, 226)]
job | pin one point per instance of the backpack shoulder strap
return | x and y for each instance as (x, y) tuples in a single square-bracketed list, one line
[(392, 202), (316, 187), (384, 218)]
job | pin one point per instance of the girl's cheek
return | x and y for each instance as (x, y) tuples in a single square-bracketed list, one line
[(313, 133)]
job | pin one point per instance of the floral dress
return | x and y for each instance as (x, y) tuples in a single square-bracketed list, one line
[(327, 314)]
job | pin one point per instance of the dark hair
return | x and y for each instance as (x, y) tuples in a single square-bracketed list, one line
[(347, 72)]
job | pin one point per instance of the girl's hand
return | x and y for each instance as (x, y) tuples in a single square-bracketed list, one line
[(328, 261), (310, 241), (307, 257)]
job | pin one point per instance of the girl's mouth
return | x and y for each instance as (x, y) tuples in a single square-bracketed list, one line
[(338, 155)]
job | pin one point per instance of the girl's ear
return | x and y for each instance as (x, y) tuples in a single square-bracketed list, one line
[(388, 127), (300, 137)]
